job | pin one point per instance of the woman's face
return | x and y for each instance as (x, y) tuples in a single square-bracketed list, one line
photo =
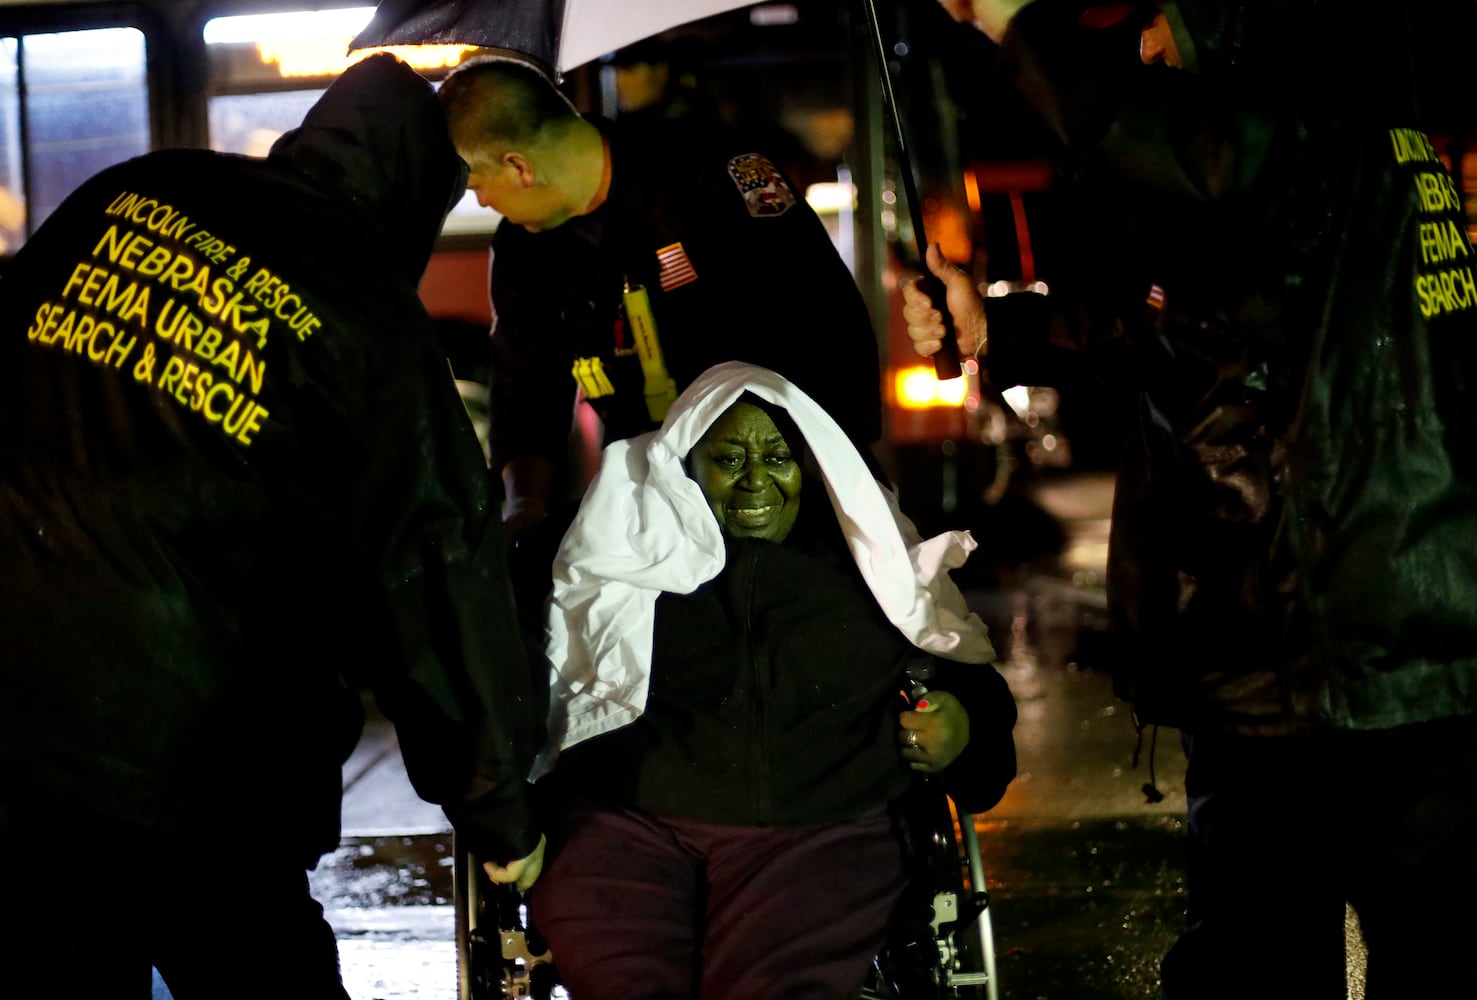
[(747, 472)]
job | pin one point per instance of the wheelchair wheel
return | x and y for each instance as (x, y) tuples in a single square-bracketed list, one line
[(933, 949)]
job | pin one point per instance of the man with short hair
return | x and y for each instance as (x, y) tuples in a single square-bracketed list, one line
[(634, 256)]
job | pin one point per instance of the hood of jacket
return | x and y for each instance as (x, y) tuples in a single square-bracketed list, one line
[(378, 138)]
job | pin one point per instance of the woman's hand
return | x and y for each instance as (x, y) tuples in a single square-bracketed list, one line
[(521, 873), (934, 733)]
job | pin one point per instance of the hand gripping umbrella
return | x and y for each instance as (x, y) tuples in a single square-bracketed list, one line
[(562, 34)]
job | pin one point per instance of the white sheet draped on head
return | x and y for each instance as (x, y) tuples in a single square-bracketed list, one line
[(644, 527)]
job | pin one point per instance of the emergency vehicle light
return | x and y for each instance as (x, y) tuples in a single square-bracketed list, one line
[(918, 388)]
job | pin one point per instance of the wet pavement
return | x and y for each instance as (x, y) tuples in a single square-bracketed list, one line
[(1084, 876)]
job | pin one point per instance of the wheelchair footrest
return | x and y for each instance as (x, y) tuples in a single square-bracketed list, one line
[(969, 979)]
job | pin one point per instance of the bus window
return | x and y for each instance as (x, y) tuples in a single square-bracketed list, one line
[(250, 123), (12, 186), (71, 103), (267, 70)]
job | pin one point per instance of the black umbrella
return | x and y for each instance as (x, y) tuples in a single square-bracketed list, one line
[(561, 34)]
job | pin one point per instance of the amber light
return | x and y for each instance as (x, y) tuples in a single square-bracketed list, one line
[(918, 388), (315, 43), (313, 57)]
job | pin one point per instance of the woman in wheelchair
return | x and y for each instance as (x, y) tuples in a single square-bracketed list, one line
[(729, 739)]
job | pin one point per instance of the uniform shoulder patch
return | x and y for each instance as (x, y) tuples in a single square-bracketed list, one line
[(765, 190)]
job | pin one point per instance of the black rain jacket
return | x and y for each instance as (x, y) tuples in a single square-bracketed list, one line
[(1294, 539), (237, 481)]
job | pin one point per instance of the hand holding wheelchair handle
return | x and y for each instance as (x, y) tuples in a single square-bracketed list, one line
[(502, 956), (520, 873), (935, 730)]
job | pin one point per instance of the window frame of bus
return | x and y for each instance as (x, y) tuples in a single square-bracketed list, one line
[(21, 21), (231, 75)]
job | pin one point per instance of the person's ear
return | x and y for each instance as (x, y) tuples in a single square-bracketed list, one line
[(519, 164)]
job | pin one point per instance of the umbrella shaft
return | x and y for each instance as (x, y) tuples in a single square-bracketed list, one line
[(889, 100)]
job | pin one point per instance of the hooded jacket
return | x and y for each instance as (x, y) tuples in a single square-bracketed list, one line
[(237, 482), (1294, 540)]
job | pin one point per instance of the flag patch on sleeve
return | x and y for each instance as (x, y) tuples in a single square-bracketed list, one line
[(765, 190), (674, 269)]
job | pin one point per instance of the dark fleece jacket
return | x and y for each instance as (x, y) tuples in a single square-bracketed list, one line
[(775, 694)]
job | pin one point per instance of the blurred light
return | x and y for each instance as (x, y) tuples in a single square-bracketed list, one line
[(769, 14), (918, 388), (1019, 398), (972, 190), (316, 43), (310, 57), (831, 196), (997, 289), (900, 49), (249, 29), (949, 228)]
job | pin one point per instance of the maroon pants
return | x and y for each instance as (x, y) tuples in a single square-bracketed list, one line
[(640, 907)]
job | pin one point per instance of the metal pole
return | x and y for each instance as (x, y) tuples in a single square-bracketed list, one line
[(868, 168), (946, 361), (977, 885), (464, 906)]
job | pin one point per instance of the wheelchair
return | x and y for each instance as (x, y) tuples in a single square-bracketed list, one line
[(940, 945)]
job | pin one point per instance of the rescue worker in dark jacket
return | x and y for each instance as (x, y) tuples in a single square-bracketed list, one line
[(237, 483), (635, 255), (727, 722), (1293, 564)]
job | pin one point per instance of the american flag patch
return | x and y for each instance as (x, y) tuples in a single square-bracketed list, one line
[(1156, 297), (675, 269)]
